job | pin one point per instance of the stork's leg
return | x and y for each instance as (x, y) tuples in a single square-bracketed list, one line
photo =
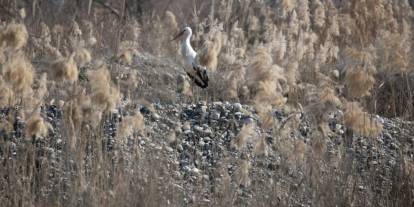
[(192, 92), (196, 93), (207, 97)]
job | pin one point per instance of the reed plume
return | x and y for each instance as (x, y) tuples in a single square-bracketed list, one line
[(104, 95), (19, 72), (36, 127), (64, 69), (14, 36), (244, 135), (360, 121)]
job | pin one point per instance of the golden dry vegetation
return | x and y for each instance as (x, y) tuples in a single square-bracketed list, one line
[(89, 63)]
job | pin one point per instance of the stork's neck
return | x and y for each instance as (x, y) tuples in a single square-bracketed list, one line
[(187, 43), (187, 51)]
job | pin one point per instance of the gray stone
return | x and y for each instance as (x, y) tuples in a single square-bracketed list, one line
[(215, 115), (186, 127), (201, 143), (198, 129), (180, 147), (237, 107), (248, 120), (394, 146), (204, 109), (208, 132), (141, 142), (155, 116), (217, 103), (169, 149), (238, 115)]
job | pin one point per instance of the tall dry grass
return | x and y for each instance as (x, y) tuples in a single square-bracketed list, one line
[(315, 58)]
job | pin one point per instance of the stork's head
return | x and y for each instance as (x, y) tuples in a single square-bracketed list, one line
[(186, 32)]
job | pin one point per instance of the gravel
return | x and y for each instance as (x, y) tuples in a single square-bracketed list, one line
[(203, 143)]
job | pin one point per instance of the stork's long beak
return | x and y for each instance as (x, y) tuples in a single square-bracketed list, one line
[(178, 35)]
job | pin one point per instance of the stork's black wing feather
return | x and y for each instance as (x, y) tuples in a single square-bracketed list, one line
[(199, 76), (197, 81)]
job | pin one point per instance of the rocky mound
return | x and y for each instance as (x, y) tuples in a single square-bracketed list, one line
[(195, 143)]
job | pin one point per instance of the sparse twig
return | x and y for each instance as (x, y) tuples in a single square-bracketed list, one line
[(107, 6), (90, 6)]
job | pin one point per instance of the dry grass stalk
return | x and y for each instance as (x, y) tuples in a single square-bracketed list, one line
[(326, 102), (6, 94), (254, 24), (22, 13), (223, 186), (288, 5), (394, 52), (129, 125), (318, 143), (129, 82), (261, 147), (125, 57), (172, 137), (361, 122), (52, 52), (58, 32), (41, 90), (319, 14), (81, 107), (89, 33), (288, 36), (82, 56), (45, 35), (300, 150), (7, 125), (267, 119), (359, 56), (126, 52), (132, 31), (171, 22), (329, 98), (19, 72), (14, 36), (65, 69), (244, 135), (212, 45), (242, 173), (234, 80), (170, 26), (264, 80), (183, 86), (2, 55), (208, 55), (293, 151), (144, 102), (292, 74), (75, 30), (359, 82), (104, 95), (290, 124), (210, 51), (36, 126)]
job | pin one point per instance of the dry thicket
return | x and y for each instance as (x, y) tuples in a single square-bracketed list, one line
[(360, 121), (105, 96), (320, 58)]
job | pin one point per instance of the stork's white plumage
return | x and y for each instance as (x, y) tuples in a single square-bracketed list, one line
[(194, 70)]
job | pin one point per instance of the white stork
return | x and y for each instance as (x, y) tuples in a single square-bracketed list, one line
[(194, 70)]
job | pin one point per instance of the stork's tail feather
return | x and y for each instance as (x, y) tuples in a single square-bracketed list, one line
[(199, 76)]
